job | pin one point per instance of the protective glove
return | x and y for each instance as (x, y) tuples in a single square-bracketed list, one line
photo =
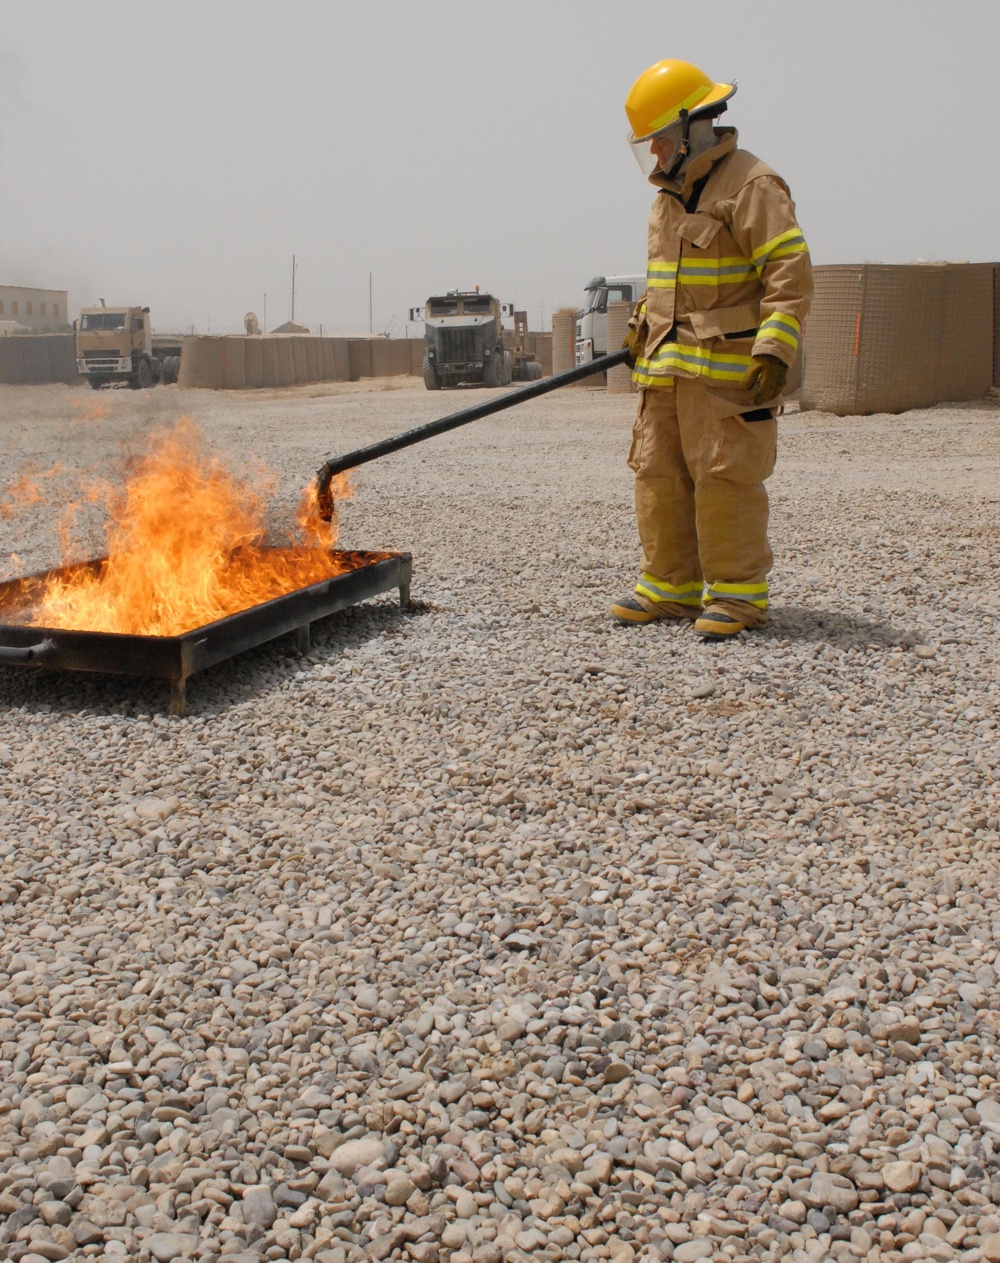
[(765, 378), (635, 343)]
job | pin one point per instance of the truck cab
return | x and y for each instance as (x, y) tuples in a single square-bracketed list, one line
[(116, 344), (592, 318)]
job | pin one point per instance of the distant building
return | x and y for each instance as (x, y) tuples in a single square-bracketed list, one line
[(291, 327), (40, 310)]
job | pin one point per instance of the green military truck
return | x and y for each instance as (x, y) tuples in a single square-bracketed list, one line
[(463, 340)]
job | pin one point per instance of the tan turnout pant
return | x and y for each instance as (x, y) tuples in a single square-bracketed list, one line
[(700, 501)]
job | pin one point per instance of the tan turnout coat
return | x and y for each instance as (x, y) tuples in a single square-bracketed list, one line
[(726, 280)]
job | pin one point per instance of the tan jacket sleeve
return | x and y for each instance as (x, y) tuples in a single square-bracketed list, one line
[(764, 225)]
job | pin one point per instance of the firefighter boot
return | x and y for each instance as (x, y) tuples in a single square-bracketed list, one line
[(639, 609), (718, 623)]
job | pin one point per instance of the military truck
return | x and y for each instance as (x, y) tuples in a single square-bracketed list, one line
[(463, 339), (115, 344)]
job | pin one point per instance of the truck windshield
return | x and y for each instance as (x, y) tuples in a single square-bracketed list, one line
[(594, 300), (444, 306), (598, 299), (477, 305), (103, 320)]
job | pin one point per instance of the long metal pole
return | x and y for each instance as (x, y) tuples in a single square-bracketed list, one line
[(338, 464), (371, 327)]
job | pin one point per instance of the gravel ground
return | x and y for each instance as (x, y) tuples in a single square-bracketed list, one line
[(493, 930)]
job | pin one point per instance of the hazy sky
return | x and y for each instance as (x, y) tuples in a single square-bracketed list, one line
[(178, 155)]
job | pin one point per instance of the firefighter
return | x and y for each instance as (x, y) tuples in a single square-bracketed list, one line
[(711, 341)]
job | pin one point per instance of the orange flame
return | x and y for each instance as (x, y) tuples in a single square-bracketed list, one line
[(186, 546), (27, 490)]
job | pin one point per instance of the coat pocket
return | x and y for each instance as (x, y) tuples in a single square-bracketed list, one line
[(723, 322), (700, 230)]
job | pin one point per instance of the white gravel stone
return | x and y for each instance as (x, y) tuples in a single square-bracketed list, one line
[(494, 927), (346, 1159)]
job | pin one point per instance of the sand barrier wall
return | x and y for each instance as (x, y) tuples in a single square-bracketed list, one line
[(250, 363), (887, 337), (620, 378), (34, 359), (563, 339)]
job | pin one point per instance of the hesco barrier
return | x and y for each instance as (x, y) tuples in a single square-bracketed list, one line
[(887, 337), (996, 324), (249, 363), (620, 378), (563, 339), (34, 359)]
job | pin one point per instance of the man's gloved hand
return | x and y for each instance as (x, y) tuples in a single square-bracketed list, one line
[(765, 378), (635, 342)]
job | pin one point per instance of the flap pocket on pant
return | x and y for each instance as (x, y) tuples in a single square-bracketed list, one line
[(744, 452)]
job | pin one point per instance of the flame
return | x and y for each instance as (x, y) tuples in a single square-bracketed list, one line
[(186, 546), (27, 490)]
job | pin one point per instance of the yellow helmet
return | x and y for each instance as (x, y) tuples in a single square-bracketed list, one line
[(663, 92)]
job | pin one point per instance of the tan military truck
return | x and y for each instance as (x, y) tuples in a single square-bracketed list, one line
[(115, 344)]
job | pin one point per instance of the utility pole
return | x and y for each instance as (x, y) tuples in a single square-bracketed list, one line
[(371, 328), (293, 288), (265, 311)]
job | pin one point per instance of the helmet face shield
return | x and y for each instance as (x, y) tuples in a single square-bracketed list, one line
[(659, 150)]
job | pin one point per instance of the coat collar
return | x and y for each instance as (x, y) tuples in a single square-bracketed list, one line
[(726, 138)]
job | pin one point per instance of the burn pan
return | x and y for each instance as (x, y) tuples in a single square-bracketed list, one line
[(177, 658)]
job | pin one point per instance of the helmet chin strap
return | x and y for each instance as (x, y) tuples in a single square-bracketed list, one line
[(697, 137), (683, 149)]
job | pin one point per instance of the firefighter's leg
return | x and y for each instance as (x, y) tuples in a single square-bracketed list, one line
[(729, 459), (670, 583)]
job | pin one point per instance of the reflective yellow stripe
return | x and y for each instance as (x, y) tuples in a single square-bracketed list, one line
[(661, 276), (755, 594), (718, 366), (672, 115), (790, 242), (778, 335), (657, 590), (797, 247), (646, 380), (782, 327), (784, 318)]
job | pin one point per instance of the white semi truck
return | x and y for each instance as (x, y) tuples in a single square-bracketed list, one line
[(592, 319)]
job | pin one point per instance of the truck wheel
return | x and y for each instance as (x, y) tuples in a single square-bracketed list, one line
[(142, 378), (493, 371), (431, 380), (170, 370), (508, 368), (533, 371)]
